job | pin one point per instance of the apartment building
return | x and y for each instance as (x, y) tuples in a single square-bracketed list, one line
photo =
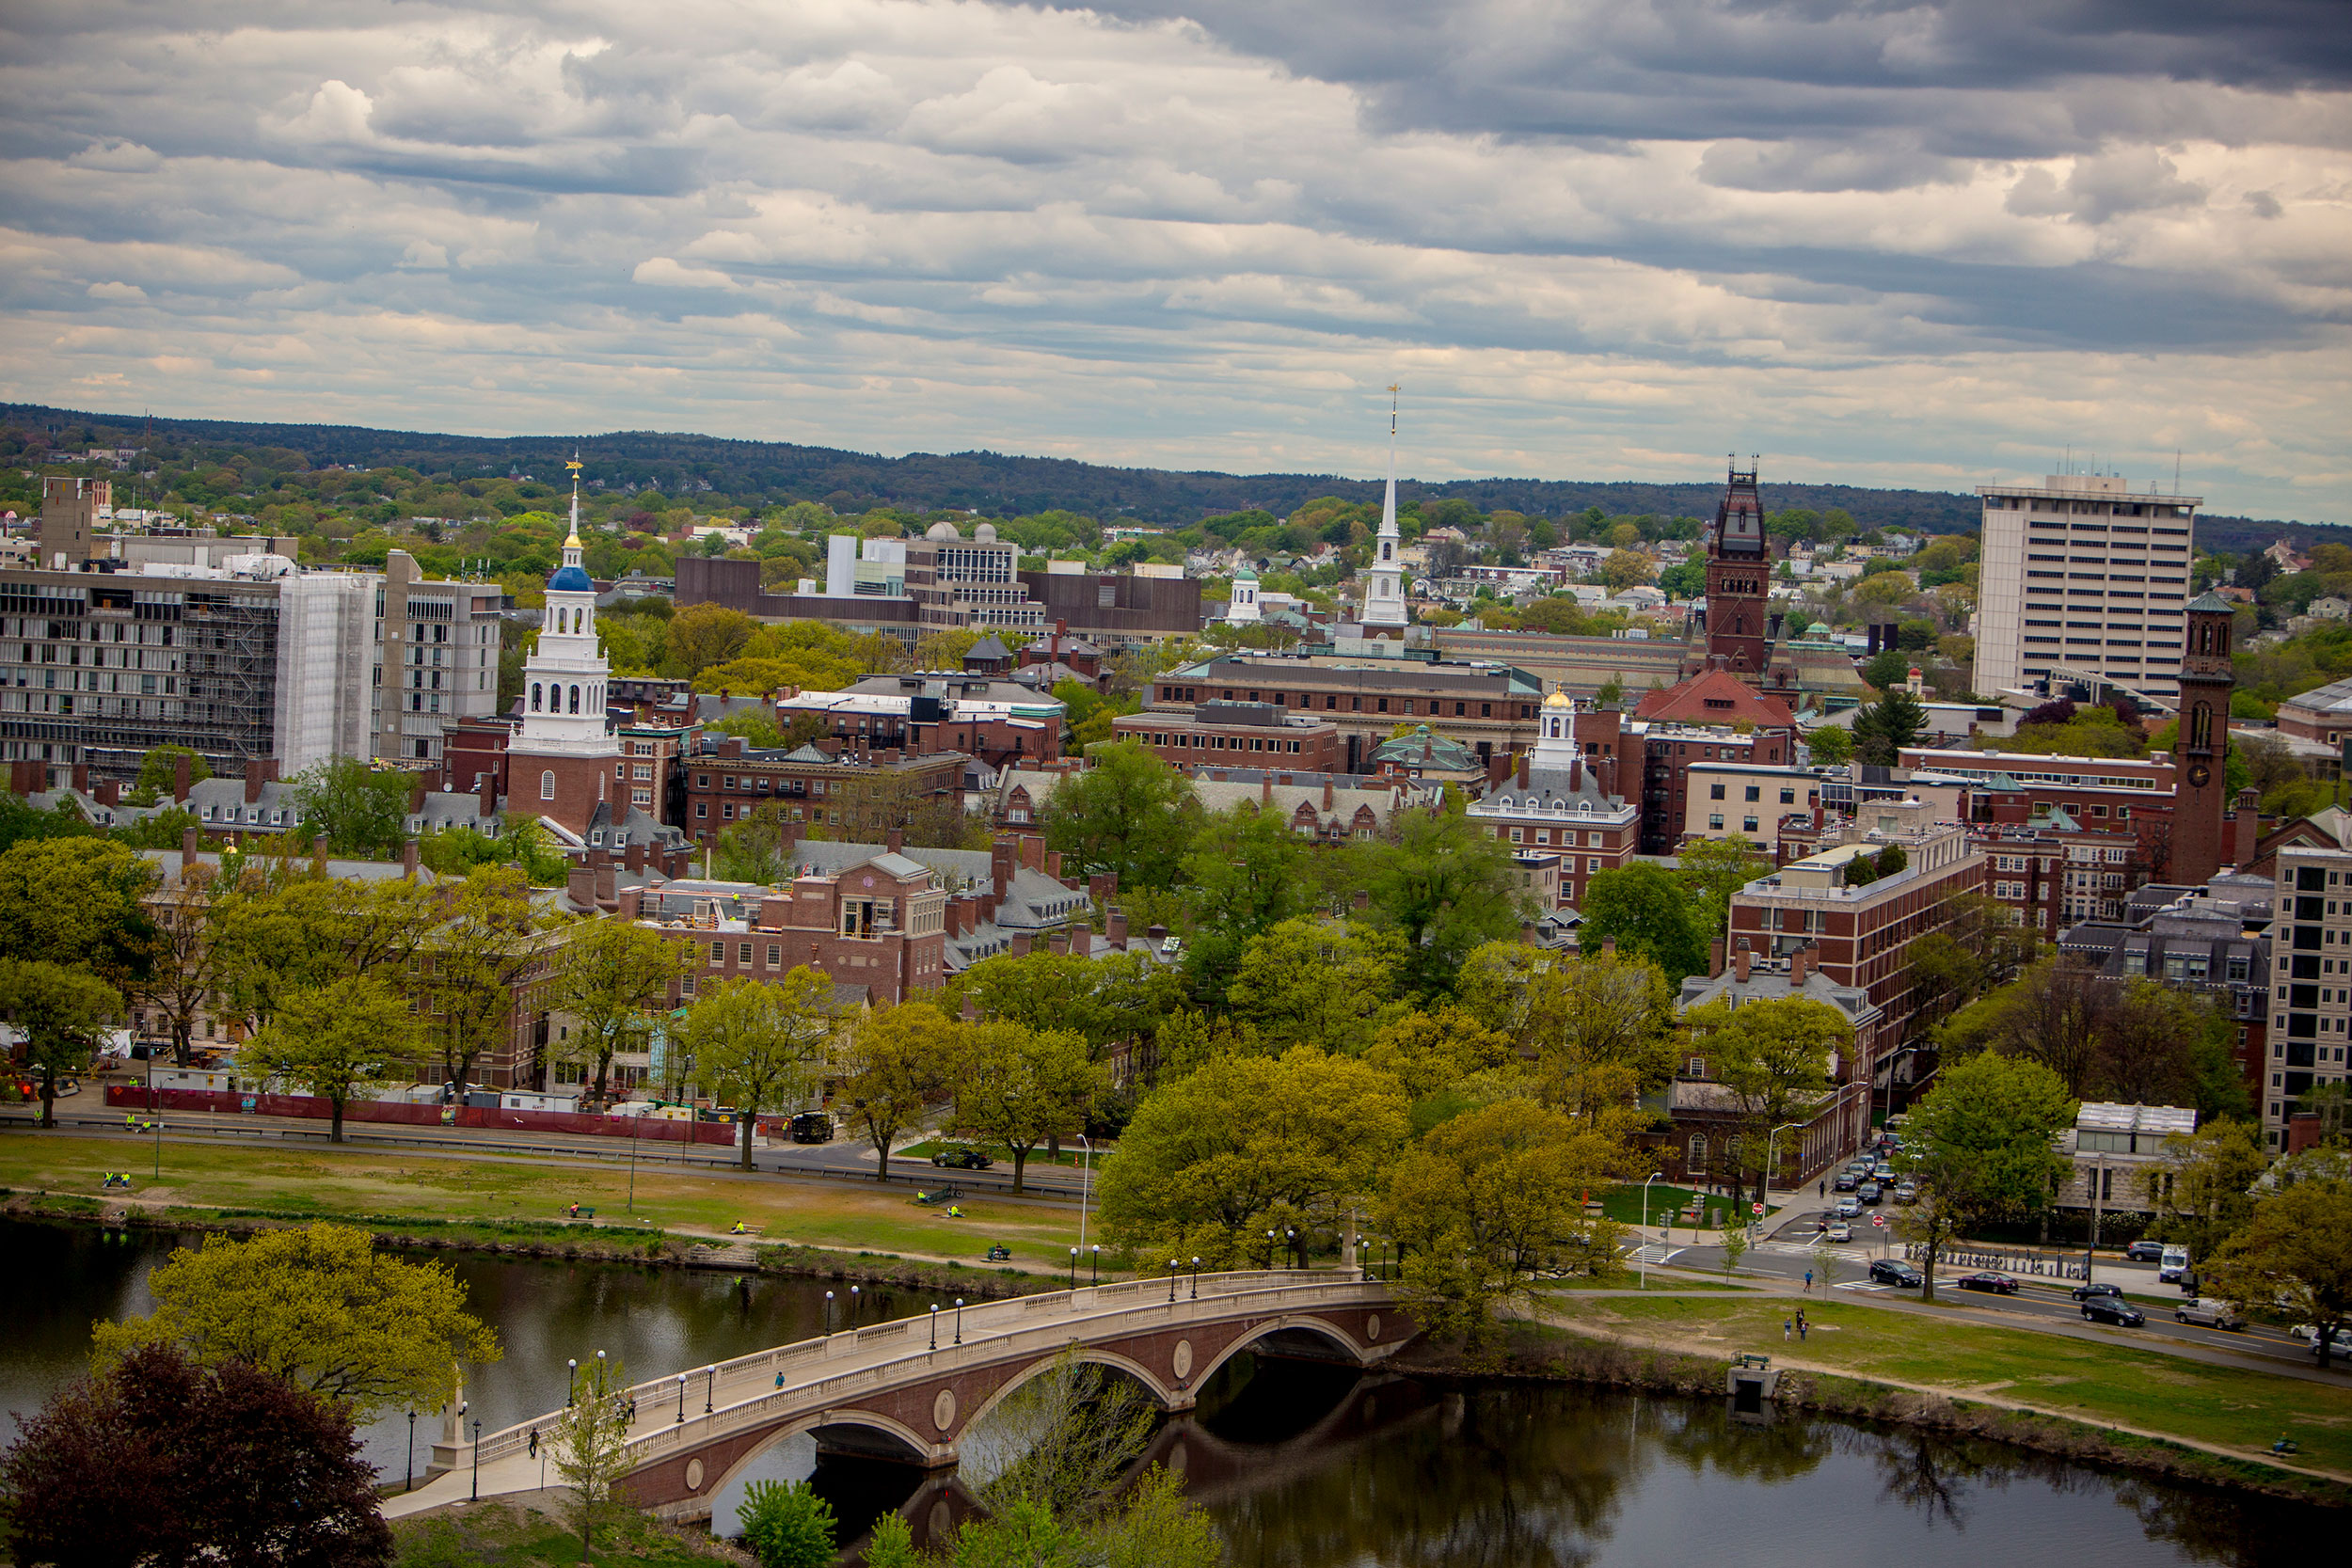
[(1557, 803), (2311, 979), (1669, 751), (1489, 707), (1737, 800), (2081, 577), (1860, 921), (726, 783), (1252, 735), (1003, 722)]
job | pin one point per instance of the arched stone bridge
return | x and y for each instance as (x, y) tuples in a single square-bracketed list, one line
[(889, 1391)]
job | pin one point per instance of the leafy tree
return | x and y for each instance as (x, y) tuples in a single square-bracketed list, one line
[(161, 1460), (63, 1015), (352, 808), (318, 1306), (1686, 578), (159, 773), (786, 1525), (1830, 745), (78, 903), (1127, 813), (1648, 911), (2296, 1248), (1021, 1086), (895, 1061), (334, 1041), (1116, 999), (19, 821), (1444, 885), (1883, 728), (1428, 1052), (190, 956), (760, 1044), (310, 930), (702, 636), (1623, 568), (2203, 1192), (613, 974), (1714, 869), (1245, 873), (1772, 1056), (1246, 1144), (590, 1443), (757, 849), (1982, 1144), (1309, 982), (1483, 1207), (491, 938), (161, 830)]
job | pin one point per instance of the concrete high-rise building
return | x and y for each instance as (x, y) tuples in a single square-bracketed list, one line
[(2082, 579)]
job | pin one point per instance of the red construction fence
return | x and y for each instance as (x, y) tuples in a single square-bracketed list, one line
[(135, 1097)]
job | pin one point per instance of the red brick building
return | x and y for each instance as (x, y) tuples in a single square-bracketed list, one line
[(727, 783), (1247, 735)]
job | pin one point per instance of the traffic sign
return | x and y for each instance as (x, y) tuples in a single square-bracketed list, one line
[(1756, 1208), (1879, 1220)]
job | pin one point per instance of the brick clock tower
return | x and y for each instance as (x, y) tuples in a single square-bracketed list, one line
[(561, 766), (2199, 797), (1739, 579)]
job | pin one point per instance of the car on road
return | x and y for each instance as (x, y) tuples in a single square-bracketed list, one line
[(1837, 1230), (1847, 1181), (962, 1157), (2341, 1345), (1985, 1279), (2210, 1314), (1848, 1207), (2144, 1252), (812, 1127), (2084, 1292), (1883, 1171), (1886, 1271), (1906, 1192), (1869, 1194), (2110, 1310)]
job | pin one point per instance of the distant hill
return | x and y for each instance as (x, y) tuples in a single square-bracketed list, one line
[(684, 464)]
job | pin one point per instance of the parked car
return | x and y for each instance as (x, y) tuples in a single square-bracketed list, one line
[(812, 1127), (1886, 1271), (962, 1158), (2172, 1265), (1847, 1181), (1848, 1207), (1869, 1194), (2109, 1309), (2084, 1292), (2210, 1314), (2144, 1252), (1906, 1192), (1883, 1171), (1838, 1232), (2340, 1345), (1999, 1284)]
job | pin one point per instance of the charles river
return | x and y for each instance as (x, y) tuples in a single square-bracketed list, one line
[(1312, 1468)]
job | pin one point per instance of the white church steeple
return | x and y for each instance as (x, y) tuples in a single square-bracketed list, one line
[(1384, 591), (563, 680)]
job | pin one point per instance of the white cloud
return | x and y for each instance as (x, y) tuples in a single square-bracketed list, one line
[(1608, 238)]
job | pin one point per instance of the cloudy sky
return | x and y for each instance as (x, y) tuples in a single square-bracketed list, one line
[(1878, 241)]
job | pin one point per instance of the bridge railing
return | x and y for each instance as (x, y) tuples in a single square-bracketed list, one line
[(986, 1328)]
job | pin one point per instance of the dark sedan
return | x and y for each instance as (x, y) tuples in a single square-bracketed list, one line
[(1999, 1284), (961, 1158), (2088, 1292), (1885, 1271), (2106, 1310)]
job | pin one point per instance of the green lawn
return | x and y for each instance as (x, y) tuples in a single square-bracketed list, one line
[(500, 1534), (1624, 1204), (487, 1191), (2119, 1384)]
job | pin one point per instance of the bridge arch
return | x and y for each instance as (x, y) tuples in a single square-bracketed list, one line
[(1357, 1353), (1166, 1397), (909, 1444)]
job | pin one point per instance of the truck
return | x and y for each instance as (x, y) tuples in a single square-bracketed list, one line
[(2173, 1265), (2209, 1314)]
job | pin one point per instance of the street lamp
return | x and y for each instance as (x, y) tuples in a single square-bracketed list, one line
[(1094, 1273), (1765, 1196), (1269, 1251), (828, 1314), (934, 1325), (1653, 1177), (1196, 1280), (710, 1388), (1172, 1266), (571, 1381), (409, 1484), (854, 1299), (1074, 1267), (1086, 1189), (959, 1320), (681, 1397), (1290, 1242)]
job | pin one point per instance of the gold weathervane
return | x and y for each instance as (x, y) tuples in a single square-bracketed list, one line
[(1394, 386)]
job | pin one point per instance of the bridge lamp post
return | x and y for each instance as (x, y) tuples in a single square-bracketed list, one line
[(477, 1447), (1094, 1267), (1290, 1242), (959, 1320), (854, 1305), (571, 1381), (410, 1483), (1196, 1280), (1074, 1267), (829, 1314), (681, 1397), (710, 1388), (1173, 1266), (934, 1325)]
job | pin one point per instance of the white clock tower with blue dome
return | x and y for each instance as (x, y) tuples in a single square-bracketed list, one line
[(563, 701)]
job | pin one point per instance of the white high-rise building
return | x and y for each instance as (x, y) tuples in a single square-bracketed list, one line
[(1384, 589), (2080, 576)]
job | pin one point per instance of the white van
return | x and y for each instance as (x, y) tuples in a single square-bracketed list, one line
[(2210, 1314), (2173, 1264)]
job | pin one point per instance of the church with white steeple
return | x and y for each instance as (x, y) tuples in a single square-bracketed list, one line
[(1384, 589), (563, 760)]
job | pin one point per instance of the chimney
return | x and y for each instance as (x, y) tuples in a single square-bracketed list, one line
[(580, 887), (1329, 793), (1527, 933), (2248, 829), (608, 896), (1021, 944), (1817, 814), (734, 746), (1524, 766), (1714, 958), (1082, 944), (1576, 774), (1115, 928), (1002, 857), (1740, 966), (81, 779), (986, 908), (633, 857), (633, 903), (1798, 962), (1608, 946), (409, 859), (1052, 863), (1033, 851), (179, 779), (486, 785), (1155, 934), (1265, 789), (109, 792), (1363, 898), (895, 840), (416, 792), (187, 843), (951, 917), (1058, 944), (258, 771), (971, 1011)]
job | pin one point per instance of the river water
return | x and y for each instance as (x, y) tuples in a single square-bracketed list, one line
[(1309, 1466)]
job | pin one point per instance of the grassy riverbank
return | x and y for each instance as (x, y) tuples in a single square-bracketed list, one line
[(2233, 1408), (459, 1199)]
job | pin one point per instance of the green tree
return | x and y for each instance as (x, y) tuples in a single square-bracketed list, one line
[(2296, 1249), (352, 808), (1245, 873), (1116, 999), (1772, 1056), (80, 903), (1482, 1205), (1444, 885), (1830, 745), (334, 1041), (2204, 1192), (1883, 728), (760, 1044), (610, 976), (491, 938), (590, 1443), (19, 821), (1982, 1146), (1247, 1144), (1128, 814), (1648, 913), (159, 773), (63, 1015), (1312, 982), (1714, 869), (1020, 1086), (894, 1062), (786, 1525), (318, 1306), (189, 954), (702, 636)]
